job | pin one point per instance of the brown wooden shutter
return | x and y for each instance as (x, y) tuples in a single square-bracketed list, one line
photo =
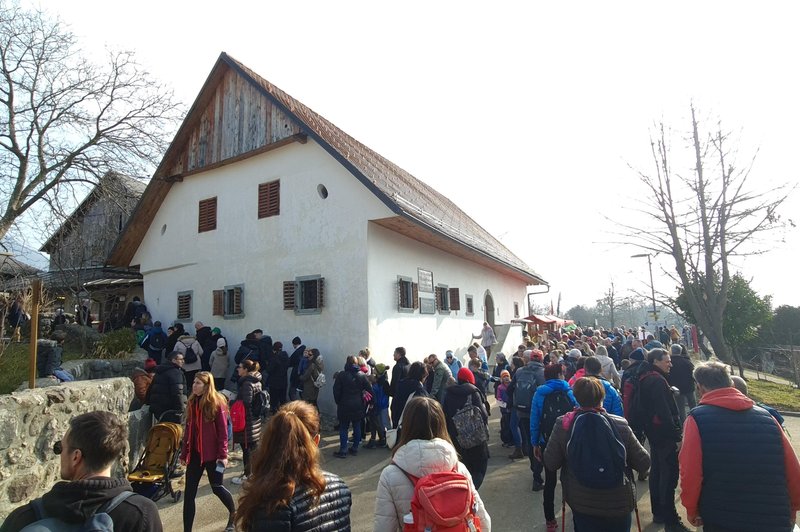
[(237, 300), (438, 298), (455, 301), (289, 300), (469, 306), (399, 291), (219, 303), (207, 218), (415, 295), (269, 199), (184, 306), (320, 292)]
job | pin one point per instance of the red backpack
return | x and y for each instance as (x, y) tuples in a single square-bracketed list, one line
[(238, 416), (442, 502)]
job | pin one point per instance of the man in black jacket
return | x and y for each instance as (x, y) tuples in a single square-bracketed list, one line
[(663, 430), (294, 362), (399, 372), (205, 338), (681, 377), (167, 393), (88, 450)]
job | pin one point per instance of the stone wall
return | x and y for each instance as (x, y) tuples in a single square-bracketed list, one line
[(32, 420), (95, 369)]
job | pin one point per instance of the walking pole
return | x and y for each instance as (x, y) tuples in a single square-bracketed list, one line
[(564, 511)]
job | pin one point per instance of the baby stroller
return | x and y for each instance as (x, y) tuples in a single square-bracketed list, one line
[(159, 463)]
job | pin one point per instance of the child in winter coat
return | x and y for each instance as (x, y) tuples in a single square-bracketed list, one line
[(379, 414), (501, 394)]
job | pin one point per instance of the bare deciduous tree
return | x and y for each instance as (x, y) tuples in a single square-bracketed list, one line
[(64, 119), (704, 217)]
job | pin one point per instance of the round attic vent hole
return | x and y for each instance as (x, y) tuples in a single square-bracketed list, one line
[(322, 191), (163, 229)]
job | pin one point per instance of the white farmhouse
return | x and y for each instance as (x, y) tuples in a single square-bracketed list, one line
[(263, 214)]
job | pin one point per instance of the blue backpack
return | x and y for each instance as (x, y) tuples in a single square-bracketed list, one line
[(595, 454), (99, 521)]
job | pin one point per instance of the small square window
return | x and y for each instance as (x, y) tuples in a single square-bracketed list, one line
[(305, 295), (229, 302), (470, 305)]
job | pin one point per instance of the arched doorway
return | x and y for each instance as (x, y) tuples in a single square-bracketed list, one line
[(488, 308)]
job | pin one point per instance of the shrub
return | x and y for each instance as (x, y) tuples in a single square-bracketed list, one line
[(116, 344)]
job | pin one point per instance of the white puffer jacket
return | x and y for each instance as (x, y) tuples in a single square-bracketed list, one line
[(608, 370), (395, 490)]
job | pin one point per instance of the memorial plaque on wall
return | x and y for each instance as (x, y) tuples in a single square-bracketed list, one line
[(425, 280), (427, 305)]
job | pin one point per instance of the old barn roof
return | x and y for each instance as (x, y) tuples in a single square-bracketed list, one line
[(417, 205)]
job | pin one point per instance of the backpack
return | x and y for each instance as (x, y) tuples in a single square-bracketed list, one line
[(157, 342), (190, 357), (319, 382), (595, 453), (523, 390), (442, 501), (471, 429), (238, 416), (631, 398), (260, 403), (99, 521), (556, 404)]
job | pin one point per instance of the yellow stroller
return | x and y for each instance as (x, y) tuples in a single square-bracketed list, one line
[(158, 465)]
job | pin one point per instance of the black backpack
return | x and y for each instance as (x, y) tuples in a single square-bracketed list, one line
[(190, 357), (596, 456), (260, 403), (157, 342), (556, 404), (524, 389)]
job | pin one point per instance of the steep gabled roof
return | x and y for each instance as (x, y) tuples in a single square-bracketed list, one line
[(407, 196), (115, 185)]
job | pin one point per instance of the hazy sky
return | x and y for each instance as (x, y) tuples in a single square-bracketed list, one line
[(525, 114)]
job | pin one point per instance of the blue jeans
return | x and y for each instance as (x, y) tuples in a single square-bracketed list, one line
[(595, 523), (515, 428), (343, 433)]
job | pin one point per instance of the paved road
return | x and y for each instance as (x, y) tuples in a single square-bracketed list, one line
[(505, 492)]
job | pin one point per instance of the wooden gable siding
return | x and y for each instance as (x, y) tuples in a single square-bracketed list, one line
[(237, 119)]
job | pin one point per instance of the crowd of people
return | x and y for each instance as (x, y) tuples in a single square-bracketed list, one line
[(593, 409)]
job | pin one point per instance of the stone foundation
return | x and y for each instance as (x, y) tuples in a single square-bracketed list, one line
[(32, 420)]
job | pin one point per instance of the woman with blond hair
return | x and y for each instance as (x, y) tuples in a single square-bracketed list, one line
[(287, 490), (424, 448), (205, 446)]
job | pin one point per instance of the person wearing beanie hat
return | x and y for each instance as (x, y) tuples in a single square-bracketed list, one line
[(504, 375), (220, 364), (465, 375), (150, 365), (452, 362), (379, 414), (459, 395)]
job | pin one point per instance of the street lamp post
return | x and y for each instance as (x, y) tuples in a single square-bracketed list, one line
[(652, 286)]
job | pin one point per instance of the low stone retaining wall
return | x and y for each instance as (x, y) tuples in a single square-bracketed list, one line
[(94, 369), (32, 420)]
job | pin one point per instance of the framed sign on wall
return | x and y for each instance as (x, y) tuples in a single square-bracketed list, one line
[(425, 280)]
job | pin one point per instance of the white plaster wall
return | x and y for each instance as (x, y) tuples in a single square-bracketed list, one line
[(310, 236), (390, 255)]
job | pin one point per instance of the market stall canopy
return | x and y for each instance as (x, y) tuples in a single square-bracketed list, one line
[(549, 320)]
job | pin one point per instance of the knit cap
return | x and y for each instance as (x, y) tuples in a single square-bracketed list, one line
[(465, 375), (505, 373)]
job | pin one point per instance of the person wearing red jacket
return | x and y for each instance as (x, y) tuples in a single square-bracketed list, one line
[(205, 446), (738, 470)]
